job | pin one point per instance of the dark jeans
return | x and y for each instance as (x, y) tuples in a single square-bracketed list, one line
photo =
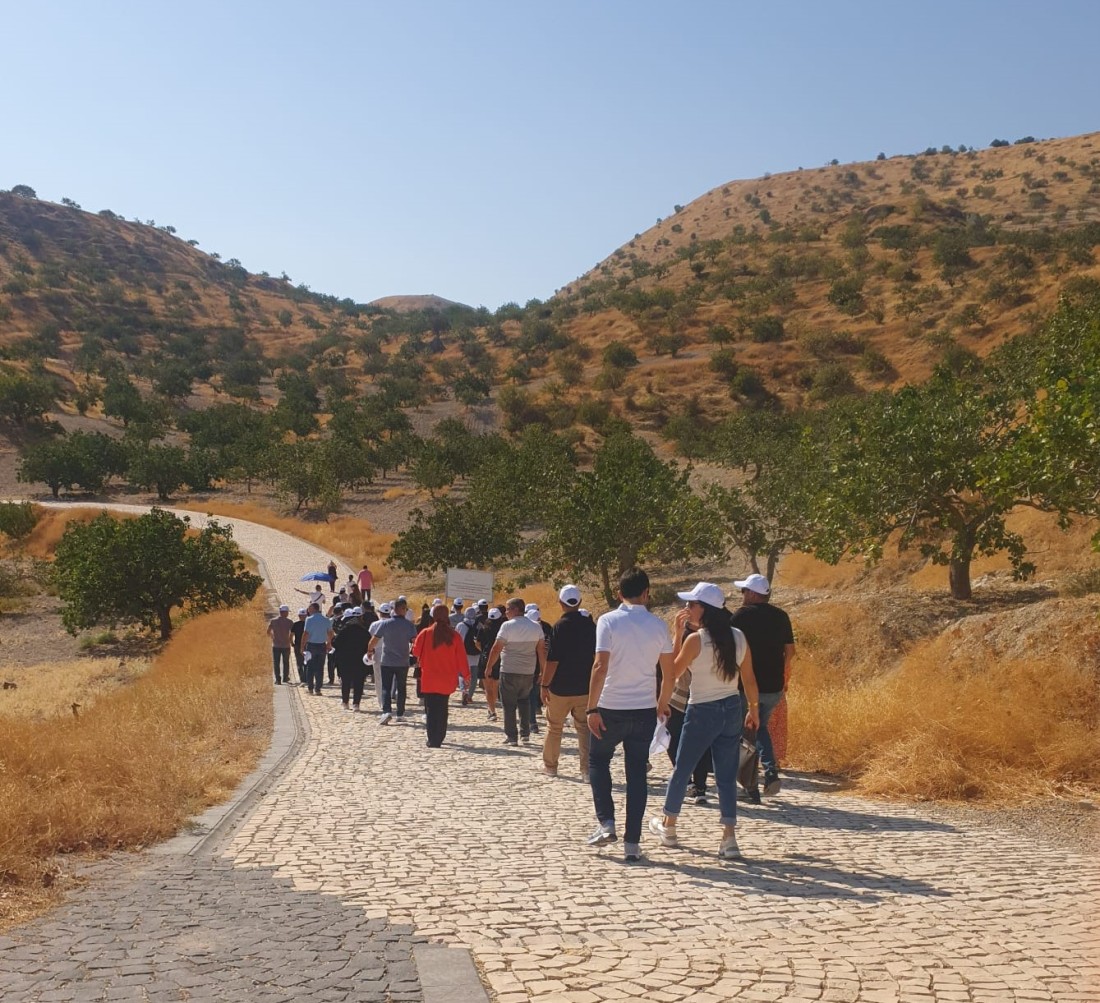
[(394, 674), (768, 703), (436, 709), (281, 655), (315, 667), (332, 667), (301, 666), (536, 703), (705, 765), (515, 695), (633, 729), (351, 682)]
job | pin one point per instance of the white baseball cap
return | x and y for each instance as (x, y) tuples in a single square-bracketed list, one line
[(457, 602), (385, 608), (494, 613), (585, 612), (302, 612), (358, 611), (532, 613), (284, 608), (348, 614), (705, 592), (570, 595), (437, 601), (755, 583)]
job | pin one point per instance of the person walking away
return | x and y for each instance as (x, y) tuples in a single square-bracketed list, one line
[(768, 630), (339, 619), (332, 574), (720, 663), (521, 651), (622, 707), (296, 629), (350, 645), (532, 612), (393, 637), (565, 683), (486, 638), (365, 581), (318, 635), (425, 617), (456, 612), (441, 655), (678, 702), (467, 630), (280, 630)]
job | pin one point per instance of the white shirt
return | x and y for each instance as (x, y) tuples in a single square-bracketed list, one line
[(706, 684), (520, 637), (634, 639)]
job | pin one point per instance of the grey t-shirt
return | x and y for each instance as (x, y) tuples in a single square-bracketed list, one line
[(394, 634), (520, 638)]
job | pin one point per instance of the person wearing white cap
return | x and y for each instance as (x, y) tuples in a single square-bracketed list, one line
[(350, 648), (568, 675), (296, 629), (486, 637), (281, 633), (456, 613), (467, 630), (622, 707), (395, 635), (768, 630), (534, 614), (719, 659)]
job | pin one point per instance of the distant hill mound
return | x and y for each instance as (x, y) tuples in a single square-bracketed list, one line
[(411, 304)]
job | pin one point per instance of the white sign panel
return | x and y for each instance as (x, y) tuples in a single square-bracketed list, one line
[(469, 586)]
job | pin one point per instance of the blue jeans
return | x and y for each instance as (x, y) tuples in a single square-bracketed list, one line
[(281, 655), (768, 703), (715, 725), (395, 678), (315, 667), (633, 729)]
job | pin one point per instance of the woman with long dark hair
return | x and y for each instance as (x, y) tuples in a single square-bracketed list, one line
[(719, 659), (442, 657)]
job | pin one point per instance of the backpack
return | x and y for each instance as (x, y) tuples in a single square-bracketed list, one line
[(470, 640)]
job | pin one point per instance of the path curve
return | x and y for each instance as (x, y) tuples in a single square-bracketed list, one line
[(841, 898)]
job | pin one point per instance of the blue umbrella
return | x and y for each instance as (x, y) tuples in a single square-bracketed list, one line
[(315, 576)]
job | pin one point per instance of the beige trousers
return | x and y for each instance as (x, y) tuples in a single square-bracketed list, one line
[(557, 710)]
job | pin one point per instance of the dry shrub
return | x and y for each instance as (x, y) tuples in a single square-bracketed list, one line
[(955, 718), (353, 539), (142, 759)]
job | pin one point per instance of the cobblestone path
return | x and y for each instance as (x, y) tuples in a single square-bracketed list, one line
[(839, 898)]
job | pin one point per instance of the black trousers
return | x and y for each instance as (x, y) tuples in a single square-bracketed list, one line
[(351, 684), (436, 708), (704, 767)]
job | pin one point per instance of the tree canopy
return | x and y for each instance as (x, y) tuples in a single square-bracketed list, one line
[(139, 570)]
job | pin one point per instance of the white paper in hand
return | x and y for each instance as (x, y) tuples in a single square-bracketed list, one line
[(661, 739)]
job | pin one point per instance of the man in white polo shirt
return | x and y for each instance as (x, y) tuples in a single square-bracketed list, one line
[(622, 706)]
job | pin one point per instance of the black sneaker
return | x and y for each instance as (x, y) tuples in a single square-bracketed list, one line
[(700, 800), (772, 784), (753, 795)]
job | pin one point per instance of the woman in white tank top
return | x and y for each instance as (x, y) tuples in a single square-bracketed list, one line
[(719, 659)]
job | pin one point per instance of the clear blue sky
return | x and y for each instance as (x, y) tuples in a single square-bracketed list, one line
[(493, 151)]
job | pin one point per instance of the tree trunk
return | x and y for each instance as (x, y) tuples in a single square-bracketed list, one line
[(958, 575), (165, 622), (958, 570), (605, 574), (773, 563), (754, 564)]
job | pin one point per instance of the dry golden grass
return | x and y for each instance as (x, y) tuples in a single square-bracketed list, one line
[(137, 762), (992, 709), (43, 539), (52, 688)]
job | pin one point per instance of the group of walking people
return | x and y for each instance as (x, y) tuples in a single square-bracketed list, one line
[(719, 673)]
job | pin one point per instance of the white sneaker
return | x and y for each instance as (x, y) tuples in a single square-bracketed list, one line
[(400, 719), (385, 718), (665, 833), (728, 850)]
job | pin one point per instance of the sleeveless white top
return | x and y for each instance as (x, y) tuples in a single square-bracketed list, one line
[(706, 684)]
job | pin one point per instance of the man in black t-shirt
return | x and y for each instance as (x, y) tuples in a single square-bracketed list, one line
[(569, 657), (768, 630)]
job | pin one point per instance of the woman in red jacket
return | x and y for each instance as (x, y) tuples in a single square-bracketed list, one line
[(442, 657)]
